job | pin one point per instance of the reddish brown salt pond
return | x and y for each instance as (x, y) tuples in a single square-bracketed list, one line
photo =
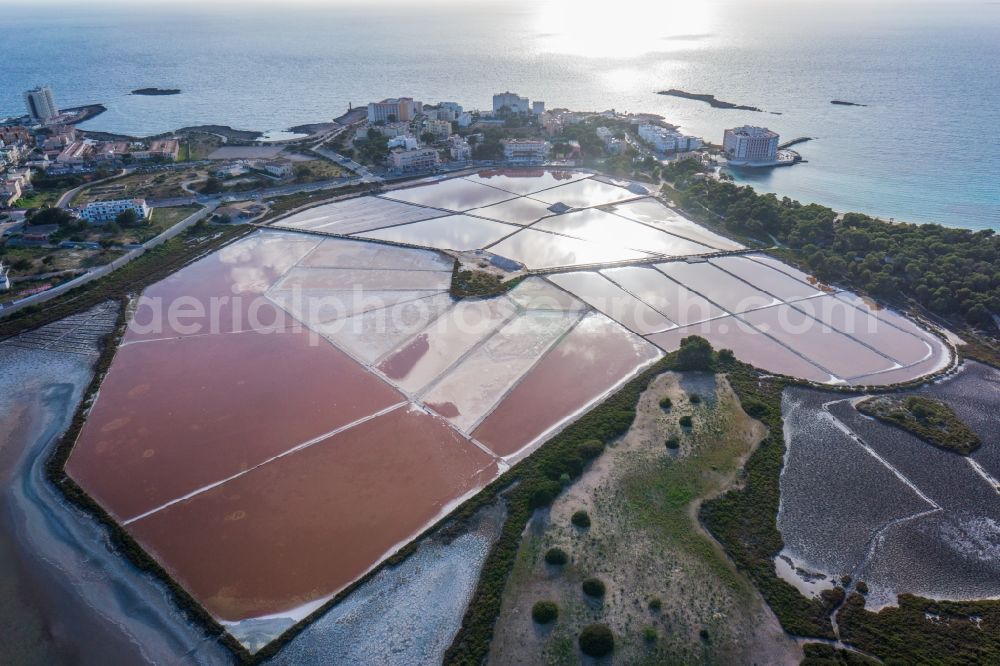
[(175, 415), (222, 292), (592, 358), (304, 526)]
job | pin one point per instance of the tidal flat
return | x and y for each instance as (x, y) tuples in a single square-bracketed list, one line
[(69, 598)]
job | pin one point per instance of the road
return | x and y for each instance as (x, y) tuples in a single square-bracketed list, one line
[(280, 191), (68, 195), (364, 174)]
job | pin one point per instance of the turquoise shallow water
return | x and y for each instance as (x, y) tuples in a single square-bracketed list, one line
[(925, 149)]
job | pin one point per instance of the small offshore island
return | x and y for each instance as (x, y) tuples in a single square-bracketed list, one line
[(708, 99), (152, 92), (839, 102), (480, 475)]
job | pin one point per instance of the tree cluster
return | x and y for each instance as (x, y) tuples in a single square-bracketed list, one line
[(951, 272)]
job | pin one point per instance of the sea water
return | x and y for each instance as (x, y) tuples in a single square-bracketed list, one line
[(924, 149)]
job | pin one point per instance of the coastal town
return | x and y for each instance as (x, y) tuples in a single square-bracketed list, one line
[(74, 200), (495, 334), (608, 259)]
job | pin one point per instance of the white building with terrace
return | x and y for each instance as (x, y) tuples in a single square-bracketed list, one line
[(99, 212), (525, 151)]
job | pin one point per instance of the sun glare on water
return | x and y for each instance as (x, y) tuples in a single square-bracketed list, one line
[(622, 29)]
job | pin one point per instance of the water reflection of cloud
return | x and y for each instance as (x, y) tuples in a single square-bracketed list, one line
[(258, 260)]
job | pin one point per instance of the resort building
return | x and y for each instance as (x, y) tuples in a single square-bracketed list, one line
[(525, 151), (99, 212), (4, 277), (667, 140), (394, 109), (512, 102), (41, 104), (418, 159), (750, 145)]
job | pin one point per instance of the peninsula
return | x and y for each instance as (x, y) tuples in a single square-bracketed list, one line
[(708, 99)]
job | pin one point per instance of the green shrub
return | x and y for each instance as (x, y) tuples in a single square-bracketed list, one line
[(694, 398), (862, 587), (581, 519), (649, 634), (754, 407), (596, 640), (593, 587), (655, 604), (695, 353), (666, 403), (556, 556), (544, 612), (673, 443), (591, 448), (686, 421), (703, 634), (544, 493), (564, 479)]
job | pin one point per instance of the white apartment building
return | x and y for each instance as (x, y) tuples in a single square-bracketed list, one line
[(514, 102), (667, 140), (749, 145), (440, 113), (390, 130), (418, 159), (41, 104), (441, 129), (693, 143), (99, 212), (525, 151), (538, 107), (278, 168), (454, 107), (464, 119), (404, 142), (4, 277), (459, 148), (394, 109)]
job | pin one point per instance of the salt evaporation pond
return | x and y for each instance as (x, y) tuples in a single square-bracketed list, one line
[(861, 498), (323, 400)]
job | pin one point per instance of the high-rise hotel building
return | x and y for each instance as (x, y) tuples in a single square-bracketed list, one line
[(40, 104), (748, 144)]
